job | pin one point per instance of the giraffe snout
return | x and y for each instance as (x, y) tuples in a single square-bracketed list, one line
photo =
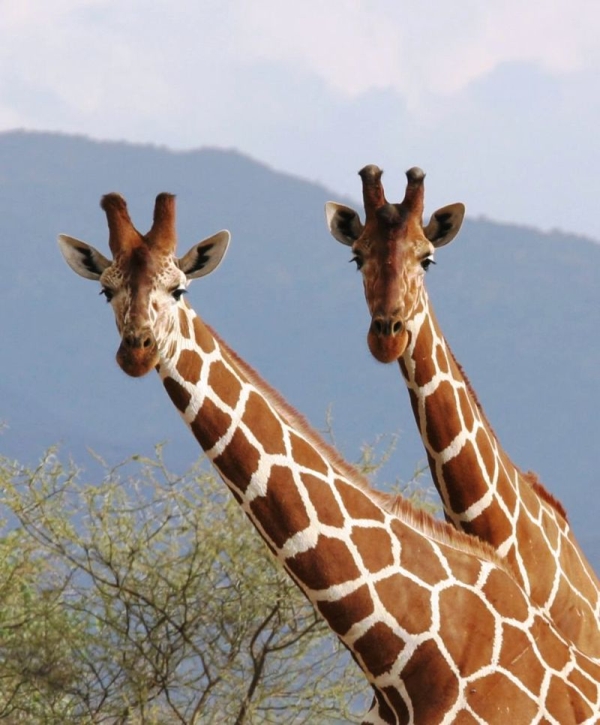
[(386, 326), (387, 337), (136, 339), (138, 351)]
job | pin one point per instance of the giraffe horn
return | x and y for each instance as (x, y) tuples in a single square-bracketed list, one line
[(121, 232), (163, 230), (415, 191), (373, 194)]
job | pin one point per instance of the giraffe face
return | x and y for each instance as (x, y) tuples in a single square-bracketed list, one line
[(392, 262), (392, 250), (144, 282), (145, 291)]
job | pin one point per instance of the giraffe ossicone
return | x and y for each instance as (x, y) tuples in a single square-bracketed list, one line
[(438, 625), (482, 491)]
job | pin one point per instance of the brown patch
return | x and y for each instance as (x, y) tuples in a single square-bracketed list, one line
[(379, 648), (374, 547), (564, 704), (417, 554), (584, 684), (184, 326), (425, 367), (513, 606), (357, 503), (322, 498), (466, 408), (178, 394), (210, 425), (470, 645), (539, 561), (306, 455), (552, 649), (441, 359), (491, 525), (430, 683), (519, 658), (569, 613), (189, 366), (264, 424), (328, 563), (443, 424), (204, 339), (348, 610), (225, 384), (551, 529), (238, 461), (400, 709), (494, 463), (402, 596), (509, 703), (592, 668), (465, 486), (281, 511)]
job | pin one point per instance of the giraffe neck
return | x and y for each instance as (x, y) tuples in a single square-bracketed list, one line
[(407, 595), (485, 494), (456, 434)]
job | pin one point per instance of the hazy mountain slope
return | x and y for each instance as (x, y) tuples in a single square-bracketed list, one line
[(520, 309)]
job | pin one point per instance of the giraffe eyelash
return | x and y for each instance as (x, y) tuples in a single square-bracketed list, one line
[(427, 261), (178, 293), (358, 260)]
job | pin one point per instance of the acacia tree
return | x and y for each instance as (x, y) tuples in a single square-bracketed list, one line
[(148, 598)]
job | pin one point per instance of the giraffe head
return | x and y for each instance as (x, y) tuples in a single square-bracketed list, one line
[(393, 250), (144, 282)]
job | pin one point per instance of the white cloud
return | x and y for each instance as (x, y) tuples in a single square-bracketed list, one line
[(417, 48), (469, 90)]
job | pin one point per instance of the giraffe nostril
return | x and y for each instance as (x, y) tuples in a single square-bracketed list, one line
[(136, 340), (386, 326)]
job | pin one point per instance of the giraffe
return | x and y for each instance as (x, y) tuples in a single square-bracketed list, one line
[(438, 624), (482, 491)]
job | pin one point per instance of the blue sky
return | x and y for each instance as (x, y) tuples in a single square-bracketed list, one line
[(498, 102)]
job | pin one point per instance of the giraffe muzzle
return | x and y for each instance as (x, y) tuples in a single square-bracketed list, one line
[(138, 352), (387, 338)]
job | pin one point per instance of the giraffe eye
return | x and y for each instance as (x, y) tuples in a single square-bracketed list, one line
[(178, 293), (358, 260), (427, 262), (108, 293)]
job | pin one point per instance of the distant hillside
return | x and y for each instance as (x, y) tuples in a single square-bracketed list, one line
[(520, 309)]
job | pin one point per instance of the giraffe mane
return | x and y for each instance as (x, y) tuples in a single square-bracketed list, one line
[(529, 476), (394, 504), (532, 479)]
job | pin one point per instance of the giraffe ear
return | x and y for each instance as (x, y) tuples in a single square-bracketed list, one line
[(445, 224), (82, 257), (205, 256), (344, 223)]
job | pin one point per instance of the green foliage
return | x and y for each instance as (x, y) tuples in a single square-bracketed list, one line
[(148, 598)]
